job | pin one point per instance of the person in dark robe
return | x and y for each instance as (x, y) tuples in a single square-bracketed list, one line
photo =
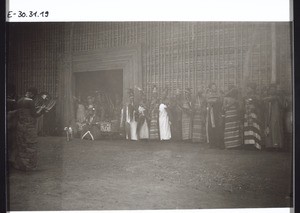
[(176, 116), (274, 119), (11, 121), (199, 135), (26, 155), (252, 136), (91, 128), (187, 116), (232, 129), (215, 128)]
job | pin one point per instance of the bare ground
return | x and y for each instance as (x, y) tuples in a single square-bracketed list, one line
[(116, 174)]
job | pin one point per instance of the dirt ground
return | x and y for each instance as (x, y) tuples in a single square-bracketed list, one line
[(116, 175)]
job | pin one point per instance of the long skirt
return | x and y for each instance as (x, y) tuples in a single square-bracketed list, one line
[(164, 127), (275, 137), (252, 130), (232, 136), (154, 132), (186, 126), (215, 129), (133, 131), (144, 131), (198, 127), (26, 155)]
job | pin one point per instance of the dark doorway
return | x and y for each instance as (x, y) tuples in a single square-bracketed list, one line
[(109, 82)]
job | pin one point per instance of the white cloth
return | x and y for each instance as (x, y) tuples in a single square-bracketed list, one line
[(133, 125), (144, 130), (164, 124)]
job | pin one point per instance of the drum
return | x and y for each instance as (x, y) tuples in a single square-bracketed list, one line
[(44, 101)]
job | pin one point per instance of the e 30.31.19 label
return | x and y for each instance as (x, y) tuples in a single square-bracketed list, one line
[(29, 14)]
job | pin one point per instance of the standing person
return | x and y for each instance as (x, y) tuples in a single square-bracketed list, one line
[(187, 114), (80, 115), (252, 118), (116, 112), (232, 130), (128, 120), (154, 111), (199, 119), (274, 122), (176, 111), (26, 155), (142, 126), (215, 131), (164, 121), (11, 120)]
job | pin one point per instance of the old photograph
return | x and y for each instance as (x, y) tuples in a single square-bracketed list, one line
[(149, 115)]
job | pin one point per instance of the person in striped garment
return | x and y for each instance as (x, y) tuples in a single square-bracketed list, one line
[(232, 130), (187, 114), (214, 120), (274, 119), (154, 105), (176, 112), (199, 119), (143, 120), (252, 118)]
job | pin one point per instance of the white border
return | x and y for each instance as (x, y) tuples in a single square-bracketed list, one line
[(152, 10)]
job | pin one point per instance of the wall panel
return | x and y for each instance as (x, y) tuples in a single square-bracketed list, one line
[(174, 54)]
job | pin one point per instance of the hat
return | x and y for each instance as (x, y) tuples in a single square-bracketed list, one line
[(154, 90), (91, 107)]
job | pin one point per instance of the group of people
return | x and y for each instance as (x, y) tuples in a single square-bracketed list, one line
[(223, 120), (97, 107)]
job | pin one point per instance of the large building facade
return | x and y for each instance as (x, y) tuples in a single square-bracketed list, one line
[(173, 55)]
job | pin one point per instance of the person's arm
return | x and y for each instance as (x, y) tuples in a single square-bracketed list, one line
[(33, 111)]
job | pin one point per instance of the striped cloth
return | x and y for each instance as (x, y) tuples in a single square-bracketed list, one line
[(186, 122), (199, 126), (252, 130), (154, 132), (232, 137)]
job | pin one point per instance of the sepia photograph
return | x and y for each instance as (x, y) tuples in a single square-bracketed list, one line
[(149, 115)]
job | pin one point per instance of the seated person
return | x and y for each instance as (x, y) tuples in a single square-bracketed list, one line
[(91, 128)]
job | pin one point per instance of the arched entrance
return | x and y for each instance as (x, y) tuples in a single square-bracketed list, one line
[(127, 59)]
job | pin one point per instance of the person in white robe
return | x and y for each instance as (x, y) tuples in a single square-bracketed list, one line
[(128, 119), (143, 129), (164, 122)]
